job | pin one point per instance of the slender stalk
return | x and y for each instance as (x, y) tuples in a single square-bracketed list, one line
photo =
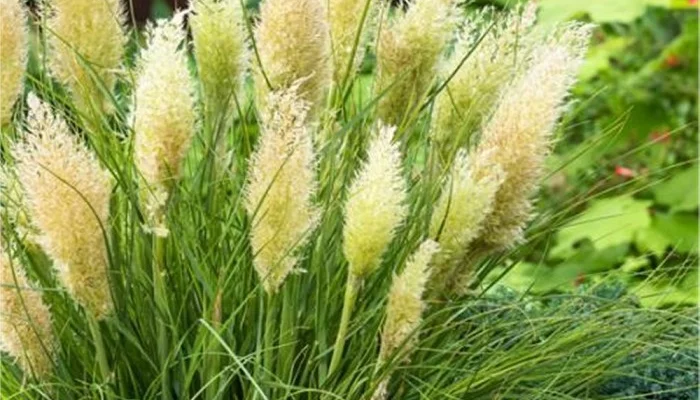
[(100, 352), (161, 304), (351, 288), (269, 335)]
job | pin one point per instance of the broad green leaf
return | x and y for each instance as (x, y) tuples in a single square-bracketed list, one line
[(661, 294), (680, 193), (678, 231), (607, 222), (598, 58), (553, 11), (586, 261)]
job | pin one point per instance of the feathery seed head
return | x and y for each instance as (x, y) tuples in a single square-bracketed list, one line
[(218, 36), (293, 44), (466, 200), (474, 88), (345, 19), (26, 333), (281, 185), (68, 197), (86, 37), (376, 204), (520, 129), (405, 305), (13, 55), (408, 54), (164, 116)]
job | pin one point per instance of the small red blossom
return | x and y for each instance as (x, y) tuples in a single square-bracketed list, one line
[(660, 137), (624, 172), (672, 61), (693, 2)]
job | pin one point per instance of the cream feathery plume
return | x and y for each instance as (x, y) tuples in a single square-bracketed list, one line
[(404, 309), (293, 45), (14, 40), (219, 38), (87, 41), (474, 88), (519, 132), (376, 204), (409, 49), (164, 116), (26, 331), (68, 195), (466, 200), (281, 185), (351, 23), (375, 208)]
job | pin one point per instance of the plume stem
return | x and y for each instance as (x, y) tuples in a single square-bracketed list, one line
[(351, 289)]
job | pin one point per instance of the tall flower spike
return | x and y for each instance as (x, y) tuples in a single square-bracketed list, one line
[(520, 129), (376, 204), (13, 55), (466, 200), (164, 116), (404, 309), (351, 24), (473, 89), (281, 184), (408, 54), (218, 35), (25, 321), (68, 197), (293, 43), (87, 40)]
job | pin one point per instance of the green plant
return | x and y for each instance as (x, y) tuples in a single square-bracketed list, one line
[(221, 254)]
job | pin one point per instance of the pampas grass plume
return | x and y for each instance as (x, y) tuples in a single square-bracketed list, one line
[(164, 116), (281, 184), (13, 55), (218, 35), (25, 321), (409, 49), (351, 24), (86, 38), (519, 133), (376, 204), (293, 44), (474, 89), (404, 308), (68, 195)]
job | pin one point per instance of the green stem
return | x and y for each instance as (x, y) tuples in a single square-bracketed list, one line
[(101, 354), (351, 288), (269, 336), (161, 305)]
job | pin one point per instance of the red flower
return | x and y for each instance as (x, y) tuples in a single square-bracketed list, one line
[(692, 2), (672, 61), (660, 137), (624, 172)]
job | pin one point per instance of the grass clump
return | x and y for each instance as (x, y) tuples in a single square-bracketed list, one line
[(186, 241)]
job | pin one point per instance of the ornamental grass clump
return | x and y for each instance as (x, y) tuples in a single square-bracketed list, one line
[(342, 251)]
